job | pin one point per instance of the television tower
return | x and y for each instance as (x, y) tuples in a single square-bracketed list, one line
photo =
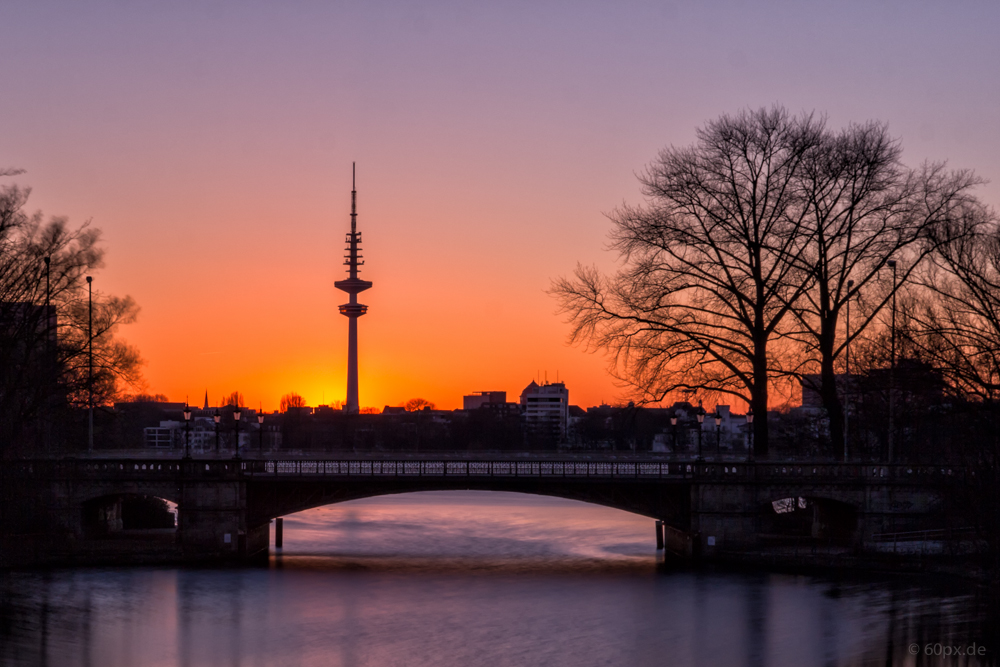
[(352, 309)]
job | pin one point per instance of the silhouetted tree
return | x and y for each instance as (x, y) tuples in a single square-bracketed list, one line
[(957, 329), (291, 400), (958, 326), (415, 404), (711, 263), (737, 270), (44, 329), (234, 400), (864, 208), (144, 398)]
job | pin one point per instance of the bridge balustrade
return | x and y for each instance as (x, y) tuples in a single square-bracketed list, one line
[(126, 468), (763, 471), (469, 468)]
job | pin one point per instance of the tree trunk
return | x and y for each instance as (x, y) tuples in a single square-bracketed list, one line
[(758, 402), (828, 389), (834, 409)]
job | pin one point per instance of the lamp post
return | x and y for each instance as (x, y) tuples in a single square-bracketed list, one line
[(701, 420), (892, 362), (48, 290), (48, 317), (187, 431), (847, 389), (90, 364), (49, 366), (236, 426), (260, 432), (718, 437), (673, 424), (216, 417), (750, 430)]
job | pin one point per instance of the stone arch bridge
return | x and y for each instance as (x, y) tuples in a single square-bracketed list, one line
[(67, 510)]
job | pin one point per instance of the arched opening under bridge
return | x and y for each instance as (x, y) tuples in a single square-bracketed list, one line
[(489, 528), (130, 515), (808, 518)]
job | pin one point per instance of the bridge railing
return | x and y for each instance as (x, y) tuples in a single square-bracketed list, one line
[(369, 468), (765, 471), (610, 469)]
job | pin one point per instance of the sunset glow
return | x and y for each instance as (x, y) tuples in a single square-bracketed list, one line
[(214, 150)]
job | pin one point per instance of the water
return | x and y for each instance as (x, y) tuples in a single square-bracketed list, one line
[(474, 578)]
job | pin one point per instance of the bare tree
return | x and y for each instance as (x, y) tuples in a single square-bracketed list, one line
[(958, 329), (144, 398), (710, 264), (866, 212), (291, 400), (415, 404), (47, 334), (234, 400)]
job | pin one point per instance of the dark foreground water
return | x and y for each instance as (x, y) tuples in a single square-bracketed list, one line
[(475, 578)]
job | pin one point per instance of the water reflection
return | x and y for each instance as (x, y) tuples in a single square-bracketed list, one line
[(472, 578)]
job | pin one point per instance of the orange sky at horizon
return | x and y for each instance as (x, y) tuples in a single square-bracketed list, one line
[(439, 336), (213, 145), (440, 324)]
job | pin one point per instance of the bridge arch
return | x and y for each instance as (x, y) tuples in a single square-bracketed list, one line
[(665, 503)]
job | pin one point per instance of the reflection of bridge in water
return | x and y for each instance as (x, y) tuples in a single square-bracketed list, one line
[(225, 507)]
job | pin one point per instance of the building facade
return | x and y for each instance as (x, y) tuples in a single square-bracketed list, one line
[(478, 399), (545, 409)]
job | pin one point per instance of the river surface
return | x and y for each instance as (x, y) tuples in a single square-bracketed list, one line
[(459, 579)]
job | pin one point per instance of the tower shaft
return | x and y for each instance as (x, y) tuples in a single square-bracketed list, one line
[(352, 404)]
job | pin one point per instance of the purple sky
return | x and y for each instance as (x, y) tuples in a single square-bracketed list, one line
[(212, 143)]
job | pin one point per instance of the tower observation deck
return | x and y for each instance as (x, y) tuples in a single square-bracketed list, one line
[(352, 309)]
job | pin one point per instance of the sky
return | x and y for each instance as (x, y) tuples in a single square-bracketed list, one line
[(212, 143)]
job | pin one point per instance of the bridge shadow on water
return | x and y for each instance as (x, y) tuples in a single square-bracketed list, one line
[(465, 531)]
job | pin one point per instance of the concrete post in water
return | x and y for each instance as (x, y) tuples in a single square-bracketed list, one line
[(279, 525), (659, 535)]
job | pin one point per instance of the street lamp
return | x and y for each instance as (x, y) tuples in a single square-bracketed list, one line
[(673, 423), (750, 425), (216, 417), (701, 420), (892, 360), (847, 389), (90, 364), (48, 316), (49, 365), (236, 426), (187, 431), (718, 437)]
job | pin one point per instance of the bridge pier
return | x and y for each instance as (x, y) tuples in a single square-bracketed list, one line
[(213, 518), (723, 517)]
